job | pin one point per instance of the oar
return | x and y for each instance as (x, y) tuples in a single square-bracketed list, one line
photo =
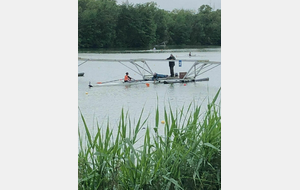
[(83, 62), (108, 81)]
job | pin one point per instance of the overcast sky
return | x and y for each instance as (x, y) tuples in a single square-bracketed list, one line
[(169, 5)]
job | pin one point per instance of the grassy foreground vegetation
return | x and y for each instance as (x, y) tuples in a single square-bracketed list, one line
[(186, 156)]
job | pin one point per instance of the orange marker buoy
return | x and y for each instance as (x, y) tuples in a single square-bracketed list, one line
[(162, 122), (184, 84), (99, 82), (147, 84)]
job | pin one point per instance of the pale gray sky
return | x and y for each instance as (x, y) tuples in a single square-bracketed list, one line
[(169, 5)]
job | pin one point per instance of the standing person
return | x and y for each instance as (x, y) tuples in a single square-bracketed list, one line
[(127, 77), (171, 64)]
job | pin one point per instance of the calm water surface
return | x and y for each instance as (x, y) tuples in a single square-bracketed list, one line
[(102, 104)]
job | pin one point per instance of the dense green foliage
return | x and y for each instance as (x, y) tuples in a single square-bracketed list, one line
[(104, 24), (186, 155)]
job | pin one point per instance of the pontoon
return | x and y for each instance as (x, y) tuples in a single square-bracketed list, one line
[(141, 67)]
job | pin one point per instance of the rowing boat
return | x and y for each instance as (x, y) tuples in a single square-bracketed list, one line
[(141, 67), (121, 83), (146, 82), (80, 74)]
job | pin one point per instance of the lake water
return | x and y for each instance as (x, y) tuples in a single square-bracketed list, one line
[(102, 104)]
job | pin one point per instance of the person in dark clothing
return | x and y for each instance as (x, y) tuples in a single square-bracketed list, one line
[(171, 64)]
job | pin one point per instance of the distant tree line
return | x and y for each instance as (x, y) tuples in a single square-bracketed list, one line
[(104, 24)]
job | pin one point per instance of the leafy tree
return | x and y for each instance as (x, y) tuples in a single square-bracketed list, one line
[(127, 27), (96, 24), (147, 30), (181, 26), (104, 24), (162, 32)]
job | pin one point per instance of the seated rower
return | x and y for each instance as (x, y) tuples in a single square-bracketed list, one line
[(127, 78)]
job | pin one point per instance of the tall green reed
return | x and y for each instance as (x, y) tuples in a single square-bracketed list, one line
[(187, 155)]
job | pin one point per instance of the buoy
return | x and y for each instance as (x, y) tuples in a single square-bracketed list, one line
[(147, 84), (184, 84), (99, 82), (163, 122), (86, 92)]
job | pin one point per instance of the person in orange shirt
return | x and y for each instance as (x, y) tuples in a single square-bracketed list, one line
[(127, 77)]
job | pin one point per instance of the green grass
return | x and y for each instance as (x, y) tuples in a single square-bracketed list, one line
[(187, 156)]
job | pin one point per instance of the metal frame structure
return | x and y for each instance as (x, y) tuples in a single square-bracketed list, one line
[(198, 68)]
